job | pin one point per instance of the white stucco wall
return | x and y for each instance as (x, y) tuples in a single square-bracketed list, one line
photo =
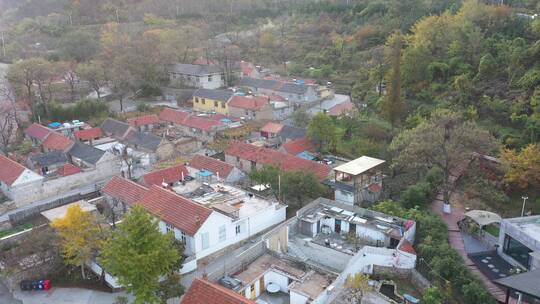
[(277, 278), (297, 298)]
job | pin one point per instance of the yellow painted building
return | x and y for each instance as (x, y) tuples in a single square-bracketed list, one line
[(212, 101)]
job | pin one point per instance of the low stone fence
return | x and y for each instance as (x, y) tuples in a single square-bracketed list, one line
[(241, 262)]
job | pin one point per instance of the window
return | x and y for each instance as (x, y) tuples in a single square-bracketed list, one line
[(237, 229), (209, 77), (205, 240), (203, 101), (223, 105), (169, 227), (237, 159), (216, 104), (196, 100), (517, 251), (222, 233), (183, 237)]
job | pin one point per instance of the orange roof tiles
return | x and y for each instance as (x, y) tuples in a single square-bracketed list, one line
[(272, 127), (167, 175), (37, 131), (172, 115), (174, 209), (143, 120), (253, 103), (341, 108), (68, 169), (88, 134), (57, 141), (10, 170), (204, 292), (124, 190), (285, 161), (296, 146), (216, 166), (201, 123)]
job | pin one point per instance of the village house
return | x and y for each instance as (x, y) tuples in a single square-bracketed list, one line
[(167, 177), (202, 127), (212, 101), (172, 116), (201, 165), (37, 133), (301, 147), (203, 291), (251, 107), (249, 157), (519, 241), (197, 75), (359, 181), (48, 162), (145, 123), (56, 142), (271, 130), (294, 92), (88, 135), (15, 179), (213, 217)]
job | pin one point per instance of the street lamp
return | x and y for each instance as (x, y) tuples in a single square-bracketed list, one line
[(525, 198)]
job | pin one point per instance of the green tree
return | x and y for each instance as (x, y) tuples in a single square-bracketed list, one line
[(433, 296), (323, 131), (393, 105), (138, 254), (81, 236), (522, 168), (300, 118), (446, 140), (295, 188), (78, 45)]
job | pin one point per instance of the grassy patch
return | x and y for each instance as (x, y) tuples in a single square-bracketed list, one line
[(11, 231)]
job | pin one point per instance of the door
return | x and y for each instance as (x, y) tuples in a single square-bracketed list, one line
[(352, 230), (337, 227), (253, 293), (318, 227)]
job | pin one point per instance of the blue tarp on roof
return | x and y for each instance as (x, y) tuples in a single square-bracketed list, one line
[(225, 120), (205, 173), (306, 155), (55, 124), (410, 298)]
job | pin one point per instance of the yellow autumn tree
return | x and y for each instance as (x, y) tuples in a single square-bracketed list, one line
[(357, 285), (522, 168), (81, 236)]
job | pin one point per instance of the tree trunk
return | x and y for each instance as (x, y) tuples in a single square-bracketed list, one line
[(82, 271), (121, 103)]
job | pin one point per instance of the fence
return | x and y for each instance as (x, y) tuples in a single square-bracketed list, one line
[(240, 263), (19, 217)]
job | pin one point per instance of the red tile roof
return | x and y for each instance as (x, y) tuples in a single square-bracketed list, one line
[(172, 115), (68, 169), (201, 162), (88, 134), (285, 161), (247, 68), (143, 120), (57, 141), (204, 292), (10, 170), (201, 123), (341, 108), (275, 97), (296, 146), (272, 127), (253, 103), (37, 131), (407, 247), (124, 190), (167, 175), (175, 210)]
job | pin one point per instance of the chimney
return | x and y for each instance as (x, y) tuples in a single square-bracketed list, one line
[(205, 276)]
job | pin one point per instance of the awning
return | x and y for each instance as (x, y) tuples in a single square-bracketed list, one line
[(483, 218)]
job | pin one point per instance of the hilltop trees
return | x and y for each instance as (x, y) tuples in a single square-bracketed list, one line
[(446, 141)]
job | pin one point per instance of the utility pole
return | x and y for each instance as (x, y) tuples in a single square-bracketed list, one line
[(525, 198), (117, 19)]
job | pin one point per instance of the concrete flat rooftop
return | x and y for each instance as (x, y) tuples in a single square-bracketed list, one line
[(529, 225)]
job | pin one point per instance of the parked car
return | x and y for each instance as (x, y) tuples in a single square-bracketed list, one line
[(27, 285)]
